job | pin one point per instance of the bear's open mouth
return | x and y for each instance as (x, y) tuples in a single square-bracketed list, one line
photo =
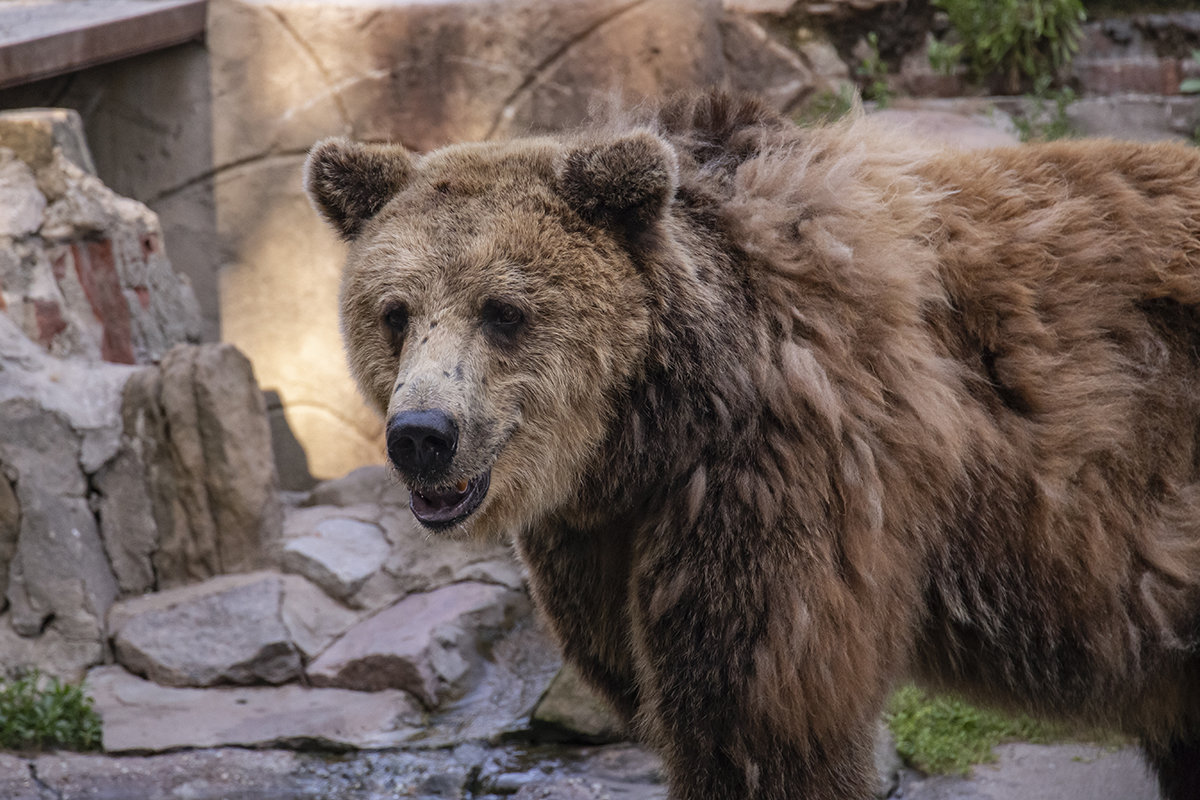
[(443, 506)]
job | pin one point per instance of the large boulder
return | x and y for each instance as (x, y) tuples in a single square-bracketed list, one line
[(193, 490)]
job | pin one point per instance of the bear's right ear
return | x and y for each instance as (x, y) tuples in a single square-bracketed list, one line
[(349, 182)]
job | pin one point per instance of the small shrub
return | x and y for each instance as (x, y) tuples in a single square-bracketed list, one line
[(1016, 39), (39, 712)]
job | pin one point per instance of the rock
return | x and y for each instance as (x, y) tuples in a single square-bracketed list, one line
[(51, 652), (59, 574), (196, 433), (428, 644), (10, 526), (887, 762), (774, 7), (570, 710), (21, 214), (16, 780), (337, 553), (313, 620), (33, 134), (420, 561), (1145, 119), (141, 716), (1043, 772), (226, 630), (83, 429), (89, 277), (127, 524), (757, 63), (952, 127), (373, 484), (626, 771)]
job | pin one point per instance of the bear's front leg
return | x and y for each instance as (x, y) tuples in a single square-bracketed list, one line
[(748, 684), (580, 580)]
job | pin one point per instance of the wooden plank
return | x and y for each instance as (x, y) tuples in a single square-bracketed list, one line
[(43, 38)]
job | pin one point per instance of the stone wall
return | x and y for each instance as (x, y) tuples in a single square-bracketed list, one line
[(130, 459)]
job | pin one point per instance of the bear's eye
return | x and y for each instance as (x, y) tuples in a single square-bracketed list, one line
[(395, 323), (503, 319)]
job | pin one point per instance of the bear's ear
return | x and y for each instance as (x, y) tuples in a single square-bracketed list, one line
[(626, 183), (349, 182)]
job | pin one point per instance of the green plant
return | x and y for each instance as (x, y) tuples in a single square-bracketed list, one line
[(944, 57), (1016, 39), (943, 735), (38, 712), (1191, 85), (872, 72), (1045, 117)]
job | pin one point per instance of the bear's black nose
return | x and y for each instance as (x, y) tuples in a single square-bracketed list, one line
[(422, 443)]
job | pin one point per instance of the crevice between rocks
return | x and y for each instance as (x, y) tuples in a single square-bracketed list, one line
[(559, 53), (43, 787)]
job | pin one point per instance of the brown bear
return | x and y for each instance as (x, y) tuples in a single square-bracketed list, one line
[(780, 415)]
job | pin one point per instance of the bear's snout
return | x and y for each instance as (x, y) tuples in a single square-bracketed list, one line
[(421, 444)]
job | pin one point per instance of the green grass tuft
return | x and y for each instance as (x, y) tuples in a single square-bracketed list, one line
[(40, 712), (943, 735)]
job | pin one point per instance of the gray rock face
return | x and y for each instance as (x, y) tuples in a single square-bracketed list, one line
[(142, 716), (86, 274), (338, 553), (428, 644), (374, 485), (571, 711), (87, 295), (240, 629), (16, 780), (193, 491), (10, 526)]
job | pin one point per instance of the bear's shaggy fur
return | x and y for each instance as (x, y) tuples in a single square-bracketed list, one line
[(780, 415)]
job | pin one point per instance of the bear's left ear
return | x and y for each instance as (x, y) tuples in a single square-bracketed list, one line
[(349, 182), (626, 183)]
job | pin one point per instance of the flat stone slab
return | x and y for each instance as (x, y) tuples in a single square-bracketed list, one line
[(229, 629), (1044, 772), (239, 774), (141, 716)]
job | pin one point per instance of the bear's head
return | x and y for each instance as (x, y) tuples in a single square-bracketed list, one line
[(493, 305)]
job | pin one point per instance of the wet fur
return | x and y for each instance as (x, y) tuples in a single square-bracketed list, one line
[(841, 409)]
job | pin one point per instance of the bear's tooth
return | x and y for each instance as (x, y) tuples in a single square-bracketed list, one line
[(462, 486)]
